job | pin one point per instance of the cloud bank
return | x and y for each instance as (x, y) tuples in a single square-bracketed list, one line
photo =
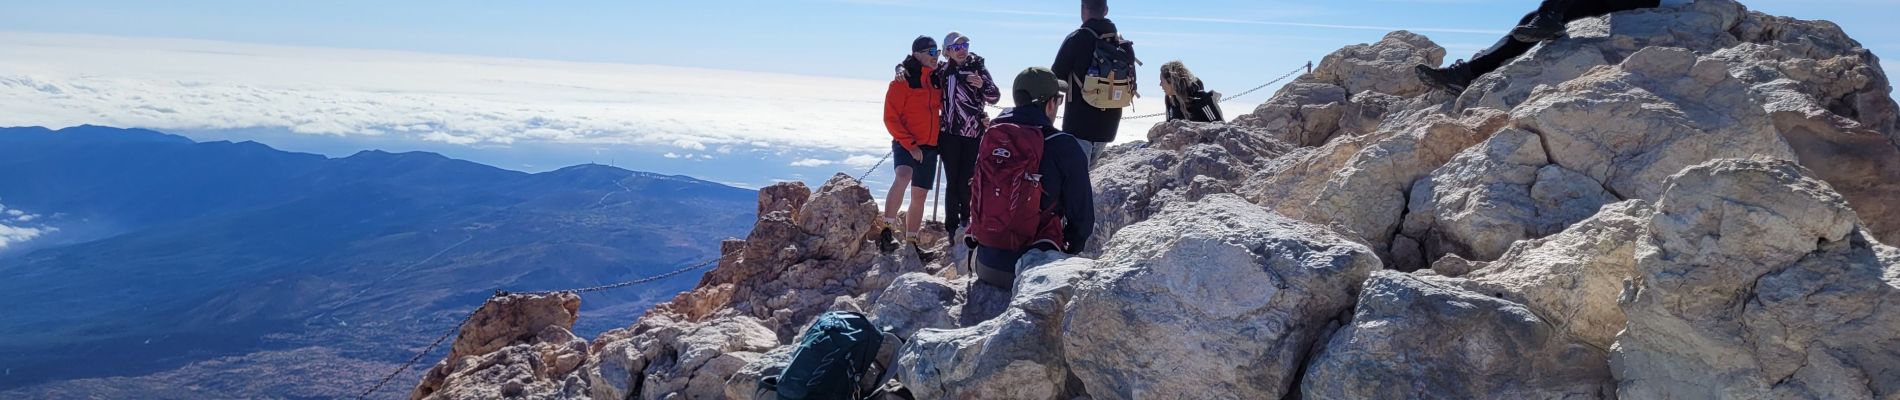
[(64, 80), (60, 80), (15, 228)]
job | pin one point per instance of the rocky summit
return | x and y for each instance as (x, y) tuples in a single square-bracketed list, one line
[(1684, 202)]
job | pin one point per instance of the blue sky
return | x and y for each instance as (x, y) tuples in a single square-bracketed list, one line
[(1234, 45), (846, 38)]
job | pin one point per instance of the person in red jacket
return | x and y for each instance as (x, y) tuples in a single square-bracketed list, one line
[(912, 107)]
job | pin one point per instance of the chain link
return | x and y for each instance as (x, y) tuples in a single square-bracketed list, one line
[(867, 173), (425, 352), (650, 279), (499, 293), (1308, 67)]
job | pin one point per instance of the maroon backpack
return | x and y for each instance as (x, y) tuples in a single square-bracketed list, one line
[(1006, 193)]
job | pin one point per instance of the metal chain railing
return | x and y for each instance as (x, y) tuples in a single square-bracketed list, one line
[(1308, 67), (867, 172), (499, 293)]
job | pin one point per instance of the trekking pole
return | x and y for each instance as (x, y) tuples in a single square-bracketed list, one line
[(936, 180)]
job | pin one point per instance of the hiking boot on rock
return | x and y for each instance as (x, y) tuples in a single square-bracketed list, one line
[(1546, 24), (1452, 79)]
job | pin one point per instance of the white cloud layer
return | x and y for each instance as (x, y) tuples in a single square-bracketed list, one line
[(64, 80), (60, 80), (13, 229)]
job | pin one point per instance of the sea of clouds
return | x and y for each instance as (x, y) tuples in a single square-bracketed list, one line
[(59, 80)]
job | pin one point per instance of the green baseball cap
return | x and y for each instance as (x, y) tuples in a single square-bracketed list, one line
[(1039, 83)]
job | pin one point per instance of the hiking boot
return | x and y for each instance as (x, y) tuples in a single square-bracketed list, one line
[(886, 241), (1450, 79), (1547, 24)]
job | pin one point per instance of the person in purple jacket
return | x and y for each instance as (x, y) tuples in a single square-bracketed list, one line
[(967, 87)]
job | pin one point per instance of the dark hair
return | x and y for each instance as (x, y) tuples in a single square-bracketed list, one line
[(1023, 99), (1097, 8)]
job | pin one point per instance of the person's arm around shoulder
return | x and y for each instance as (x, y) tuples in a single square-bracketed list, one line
[(1078, 195)]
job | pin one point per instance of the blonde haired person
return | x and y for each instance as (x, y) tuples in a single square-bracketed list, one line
[(1187, 98)]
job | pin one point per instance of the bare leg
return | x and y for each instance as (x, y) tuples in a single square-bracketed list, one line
[(916, 220), (895, 198)]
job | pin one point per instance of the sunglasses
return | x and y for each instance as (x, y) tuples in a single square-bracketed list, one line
[(933, 52), (959, 46)]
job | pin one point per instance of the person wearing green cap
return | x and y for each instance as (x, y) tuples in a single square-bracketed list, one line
[(1062, 215)]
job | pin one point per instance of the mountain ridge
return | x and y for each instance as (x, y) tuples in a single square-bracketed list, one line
[(212, 249)]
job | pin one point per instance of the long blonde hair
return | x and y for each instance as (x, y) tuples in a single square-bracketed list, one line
[(1176, 74)]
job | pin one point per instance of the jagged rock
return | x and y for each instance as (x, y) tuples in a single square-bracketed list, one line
[(1216, 299), (1425, 337), (1348, 92), (1819, 89), (1494, 194), (666, 357), (783, 196), (797, 262), (1572, 279), (1181, 162), (1756, 281), (757, 301), (1829, 100), (839, 220), (914, 302), (1703, 26), (744, 384), (1358, 185), (1454, 266), (1017, 355), (1687, 109), (1383, 67), (514, 346)]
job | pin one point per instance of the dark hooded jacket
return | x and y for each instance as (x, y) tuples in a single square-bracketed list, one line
[(1065, 185), (1194, 103), (1072, 64)]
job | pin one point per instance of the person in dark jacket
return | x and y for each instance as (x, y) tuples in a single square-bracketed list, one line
[(1187, 98), (967, 87), (1547, 23), (1096, 126), (912, 106), (1065, 177)]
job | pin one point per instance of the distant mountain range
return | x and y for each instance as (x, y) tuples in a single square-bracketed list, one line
[(164, 256)]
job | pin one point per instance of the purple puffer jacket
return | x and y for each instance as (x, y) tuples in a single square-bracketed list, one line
[(963, 113)]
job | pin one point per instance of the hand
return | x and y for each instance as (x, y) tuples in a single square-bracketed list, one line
[(917, 154), (976, 80)]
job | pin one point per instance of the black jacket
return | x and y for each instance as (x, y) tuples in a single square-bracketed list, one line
[(1072, 64), (1065, 185), (1200, 106)]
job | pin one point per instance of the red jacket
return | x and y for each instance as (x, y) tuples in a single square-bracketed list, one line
[(912, 114)]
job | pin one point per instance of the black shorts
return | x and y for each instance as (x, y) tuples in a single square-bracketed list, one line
[(922, 172)]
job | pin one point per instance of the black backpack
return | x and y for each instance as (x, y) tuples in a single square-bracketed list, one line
[(1110, 81), (831, 360)]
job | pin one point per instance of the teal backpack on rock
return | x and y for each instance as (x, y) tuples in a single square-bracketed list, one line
[(831, 359)]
